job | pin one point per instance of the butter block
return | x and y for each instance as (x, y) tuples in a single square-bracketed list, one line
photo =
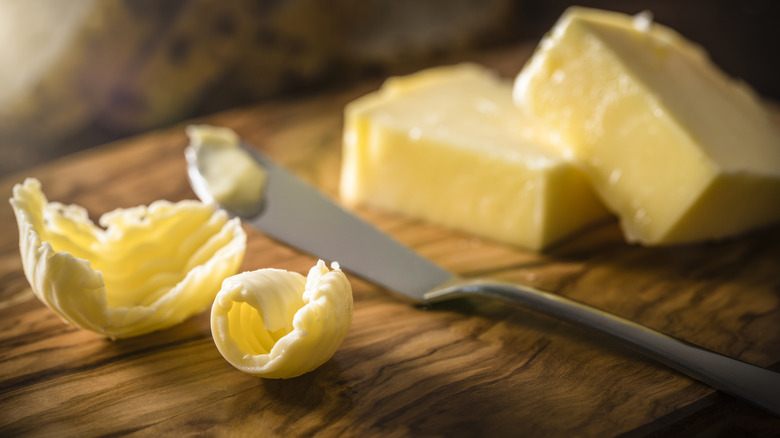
[(679, 150), (449, 146)]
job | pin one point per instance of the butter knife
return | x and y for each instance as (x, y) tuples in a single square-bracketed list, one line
[(298, 215)]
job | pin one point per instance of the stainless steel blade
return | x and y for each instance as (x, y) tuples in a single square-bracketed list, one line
[(298, 215)]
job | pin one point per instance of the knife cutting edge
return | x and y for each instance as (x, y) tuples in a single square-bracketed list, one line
[(298, 215)]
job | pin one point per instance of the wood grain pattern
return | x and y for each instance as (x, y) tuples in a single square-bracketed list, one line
[(460, 369)]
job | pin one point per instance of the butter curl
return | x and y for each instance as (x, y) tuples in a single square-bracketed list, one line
[(273, 323)]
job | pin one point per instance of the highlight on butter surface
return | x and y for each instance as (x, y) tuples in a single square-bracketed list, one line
[(147, 268), (274, 323), (228, 174)]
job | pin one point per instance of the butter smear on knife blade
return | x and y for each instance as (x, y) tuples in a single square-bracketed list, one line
[(231, 177)]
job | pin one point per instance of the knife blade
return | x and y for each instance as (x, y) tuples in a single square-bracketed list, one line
[(298, 215)]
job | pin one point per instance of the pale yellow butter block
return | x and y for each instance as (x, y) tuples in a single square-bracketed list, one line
[(449, 146), (680, 151)]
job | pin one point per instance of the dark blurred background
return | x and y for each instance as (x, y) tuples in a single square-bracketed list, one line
[(85, 72)]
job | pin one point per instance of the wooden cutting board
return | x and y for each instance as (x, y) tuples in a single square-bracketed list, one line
[(460, 369)]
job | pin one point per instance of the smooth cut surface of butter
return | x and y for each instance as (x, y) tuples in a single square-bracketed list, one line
[(279, 324), (680, 151), (231, 176), (148, 268), (449, 146)]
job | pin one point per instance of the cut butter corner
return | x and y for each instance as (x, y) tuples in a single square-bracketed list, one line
[(677, 149), (278, 324), (448, 145), (148, 268)]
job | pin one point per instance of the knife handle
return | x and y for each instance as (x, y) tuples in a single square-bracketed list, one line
[(751, 383)]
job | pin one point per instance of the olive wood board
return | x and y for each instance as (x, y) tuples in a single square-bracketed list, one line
[(465, 368)]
